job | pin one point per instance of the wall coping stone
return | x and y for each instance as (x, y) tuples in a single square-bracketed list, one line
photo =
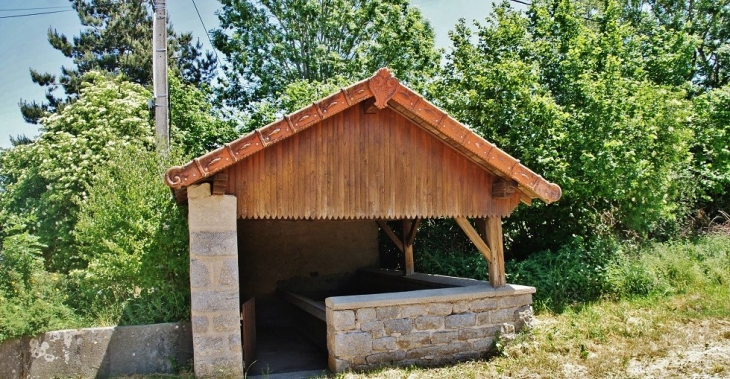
[(478, 291)]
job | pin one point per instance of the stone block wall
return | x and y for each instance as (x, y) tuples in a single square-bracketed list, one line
[(425, 328), (214, 293)]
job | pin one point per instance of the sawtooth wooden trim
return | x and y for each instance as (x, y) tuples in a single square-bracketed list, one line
[(475, 238), (387, 91), (388, 232)]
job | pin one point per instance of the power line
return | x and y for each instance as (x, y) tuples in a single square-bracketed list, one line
[(206, 32), (29, 9), (35, 14)]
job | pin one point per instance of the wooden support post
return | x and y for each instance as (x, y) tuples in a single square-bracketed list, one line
[(409, 235), (496, 245), (475, 238)]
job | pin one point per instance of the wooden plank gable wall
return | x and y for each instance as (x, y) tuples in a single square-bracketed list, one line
[(358, 164)]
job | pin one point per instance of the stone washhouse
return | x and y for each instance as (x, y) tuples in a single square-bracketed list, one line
[(284, 225)]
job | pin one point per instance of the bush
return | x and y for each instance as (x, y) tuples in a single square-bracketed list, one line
[(31, 299), (577, 272), (441, 247), (134, 238), (672, 268)]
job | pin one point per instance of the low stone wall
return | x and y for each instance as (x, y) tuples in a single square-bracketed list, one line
[(425, 328), (98, 352)]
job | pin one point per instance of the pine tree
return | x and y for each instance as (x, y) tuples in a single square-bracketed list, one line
[(118, 39)]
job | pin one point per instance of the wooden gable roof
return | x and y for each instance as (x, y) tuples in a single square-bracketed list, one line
[(435, 139)]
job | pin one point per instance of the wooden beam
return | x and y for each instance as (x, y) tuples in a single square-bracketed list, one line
[(496, 245), (474, 237), (503, 189), (398, 243), (525, 199), (181, 195), (220, 182), (308, 305), (369, 107), (409, 235), (412, 232)]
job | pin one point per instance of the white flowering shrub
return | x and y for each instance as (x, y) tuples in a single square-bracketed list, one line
[(45, 182)]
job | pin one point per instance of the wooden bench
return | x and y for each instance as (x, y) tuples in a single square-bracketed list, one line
[(314, 308)]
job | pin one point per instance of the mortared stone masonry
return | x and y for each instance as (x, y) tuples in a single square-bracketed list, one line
[(214, 288)]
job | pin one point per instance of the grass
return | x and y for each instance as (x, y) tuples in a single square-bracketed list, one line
[(675, 336)]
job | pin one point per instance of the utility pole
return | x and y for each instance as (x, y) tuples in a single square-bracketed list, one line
[(159, 72)]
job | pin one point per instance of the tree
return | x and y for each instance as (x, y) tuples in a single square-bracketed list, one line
[(571, 99), (711, 154), (701, 25), (117, 39), (44, 182), (134, 239), (195, 127), (272, 43)]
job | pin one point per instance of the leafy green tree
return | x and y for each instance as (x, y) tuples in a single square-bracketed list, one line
[(272, 43), (134, 239), (117, 39), (31, 299), (46, 181), (571, 98), (196, 127), (706, 23), (710, 150)]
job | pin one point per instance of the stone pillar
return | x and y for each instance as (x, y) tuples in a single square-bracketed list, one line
[(214, 283)]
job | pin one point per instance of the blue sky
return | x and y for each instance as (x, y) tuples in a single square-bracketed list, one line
[(23, 43)]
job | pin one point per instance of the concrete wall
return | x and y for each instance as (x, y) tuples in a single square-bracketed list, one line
[(313, 252), (425, 328), (98, 352)]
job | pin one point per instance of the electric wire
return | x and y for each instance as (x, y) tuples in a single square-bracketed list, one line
[(29, 9), (35, 14), (206, 32)]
